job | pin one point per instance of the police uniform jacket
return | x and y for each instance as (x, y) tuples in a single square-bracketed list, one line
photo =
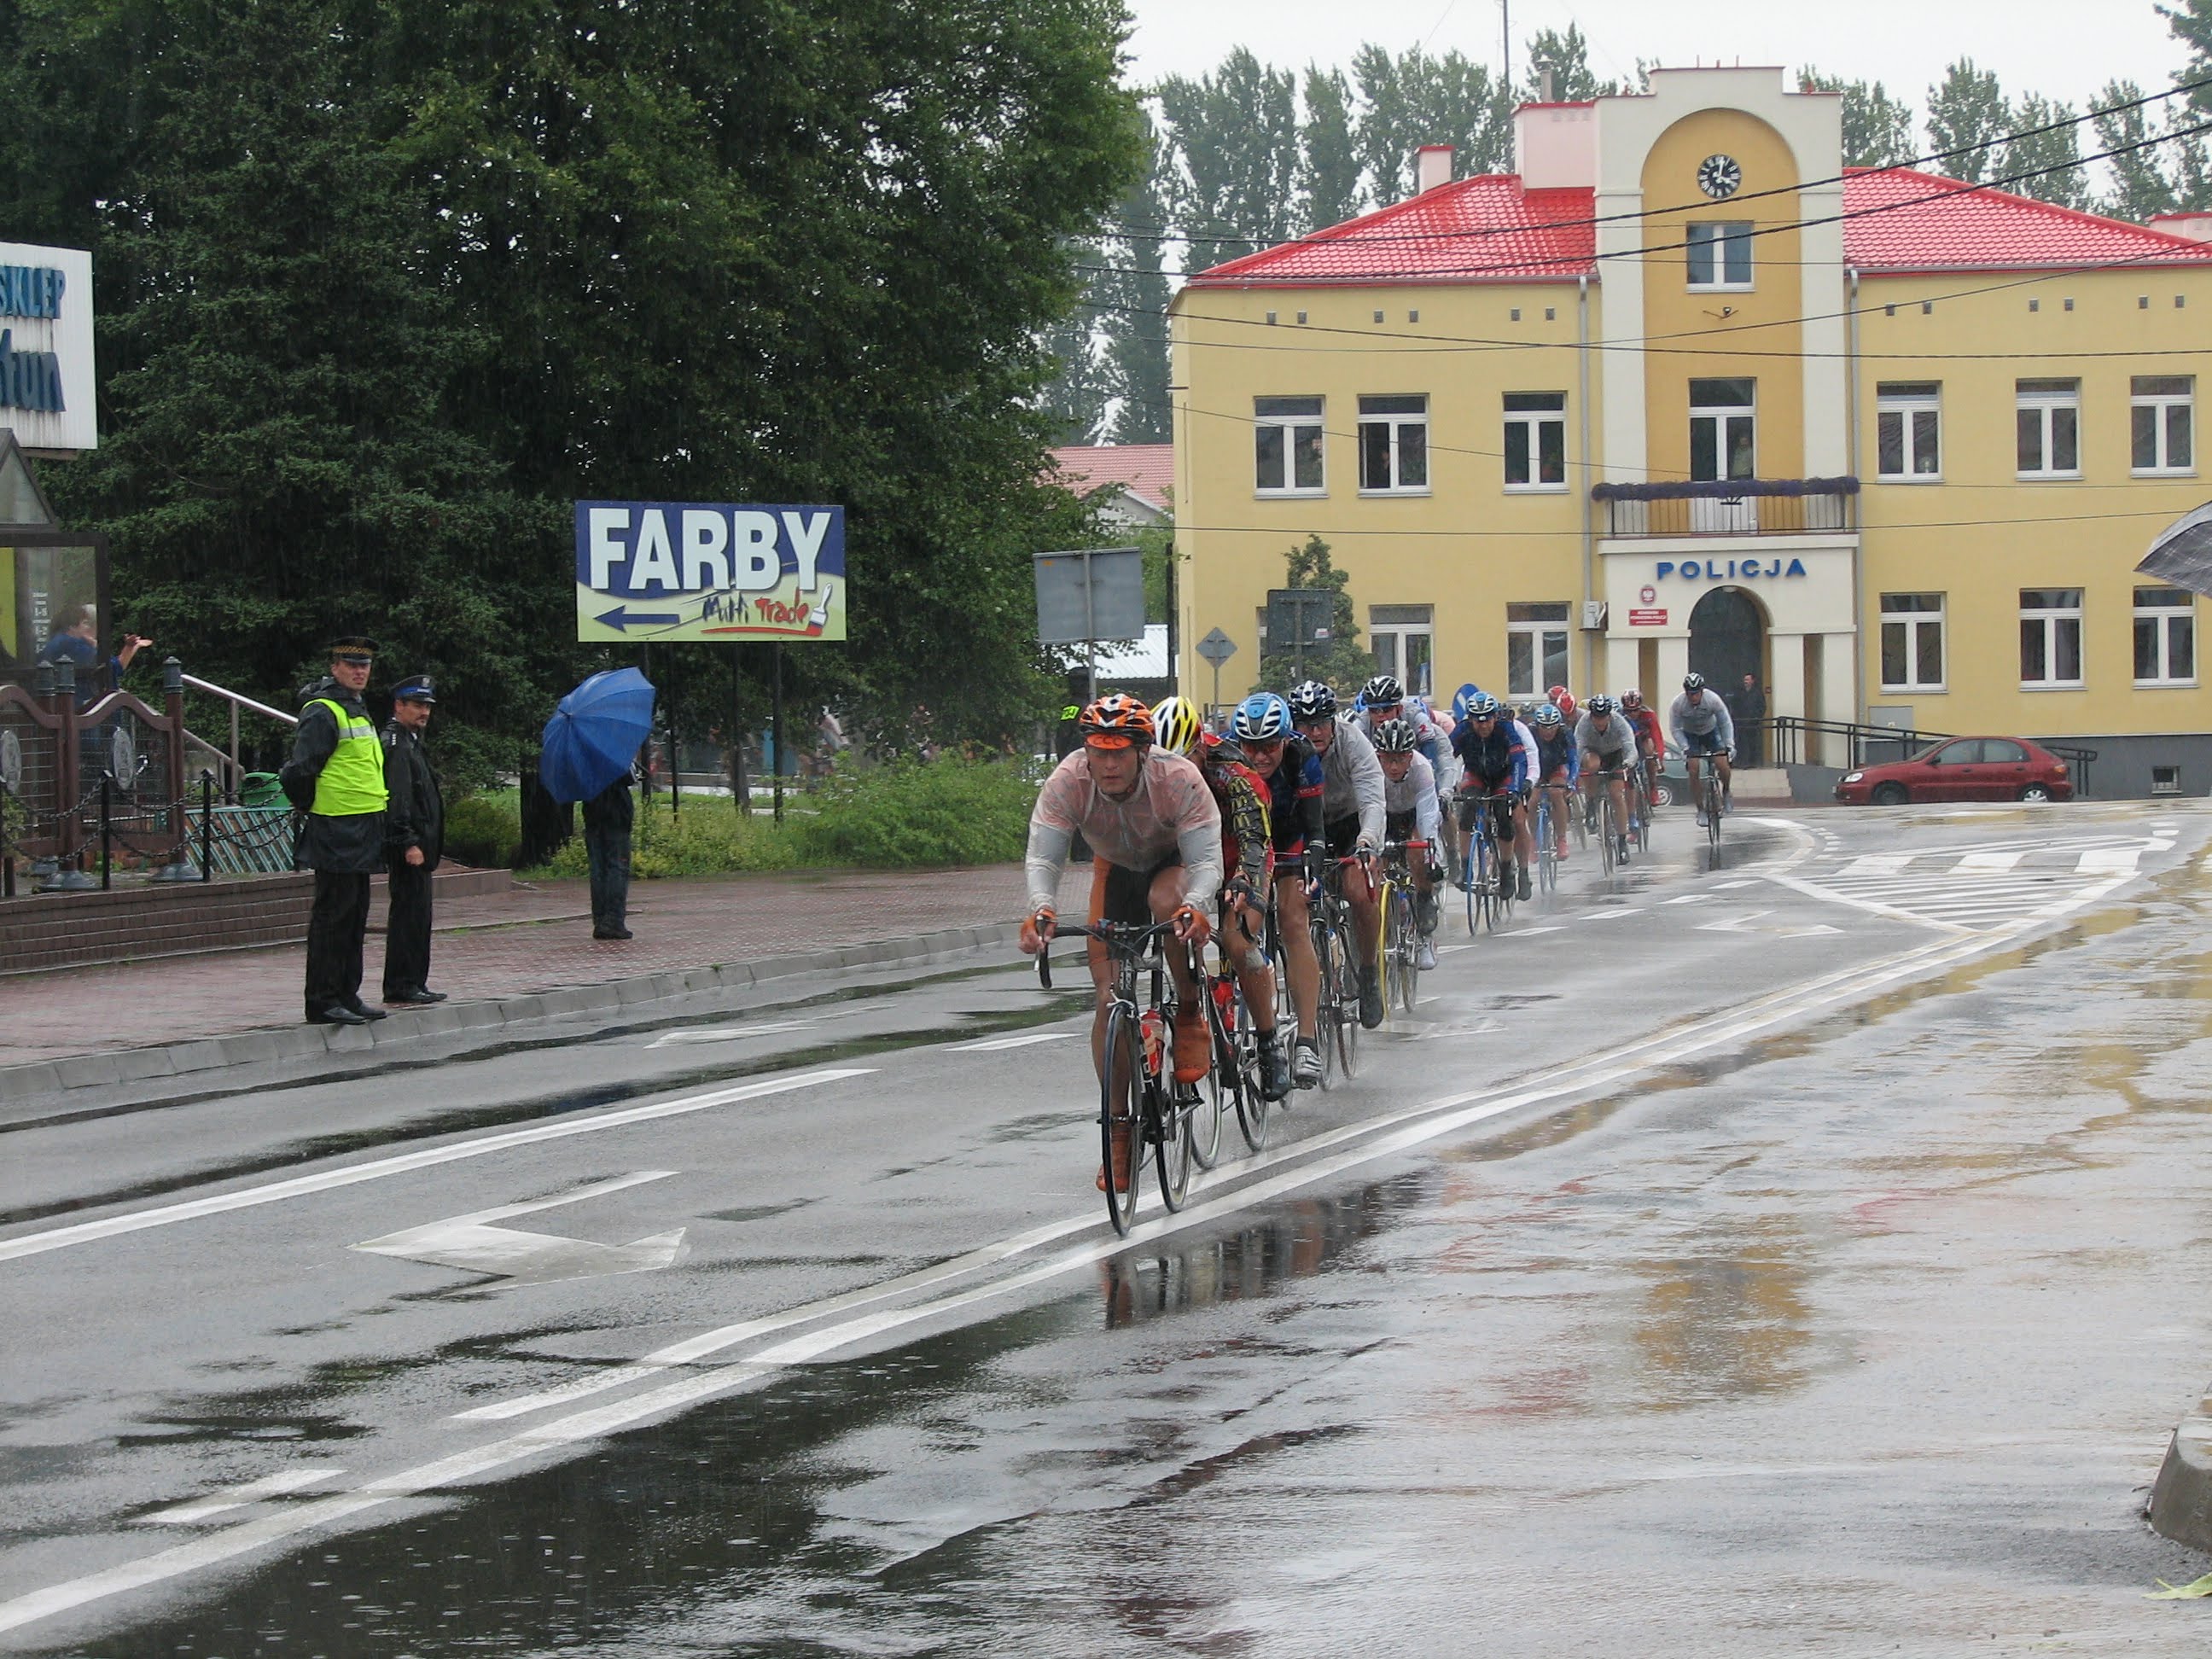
[(349, 843), (416, 814)]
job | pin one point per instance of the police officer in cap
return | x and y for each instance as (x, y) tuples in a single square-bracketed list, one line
[(335, 778), (414, 838)]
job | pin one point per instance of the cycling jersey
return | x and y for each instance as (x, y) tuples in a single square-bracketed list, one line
[(1351, 780), (1706, 720), (1169, 814), (1431, 738), (1240, 795), (1411, 803), (1499, 760), (1293, 792), (1612, 750), (1649, 738), (1557, 751)]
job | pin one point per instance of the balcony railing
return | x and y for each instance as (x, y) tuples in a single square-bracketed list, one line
[(1730, 507)]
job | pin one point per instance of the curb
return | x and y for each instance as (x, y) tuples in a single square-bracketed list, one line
[(2180, 1506), (122, 1066)]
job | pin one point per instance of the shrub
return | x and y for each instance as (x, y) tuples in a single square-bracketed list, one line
[(918, 812), (708, 837), (485, 829)]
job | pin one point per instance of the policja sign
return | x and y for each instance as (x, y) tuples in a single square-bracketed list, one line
[(656, 571)]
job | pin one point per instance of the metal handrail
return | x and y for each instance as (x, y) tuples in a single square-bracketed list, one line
[(1859, 736), (237, 701)]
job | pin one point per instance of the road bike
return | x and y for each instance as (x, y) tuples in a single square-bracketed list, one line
[(1336, 949), (1140, 1102), (1487, 880), (1608, 821), (1234, 1082), (1640, 806), (1399, 947), (1547, 825), (1710, 800)]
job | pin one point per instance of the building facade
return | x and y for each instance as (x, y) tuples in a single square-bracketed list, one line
[(1686, 392)]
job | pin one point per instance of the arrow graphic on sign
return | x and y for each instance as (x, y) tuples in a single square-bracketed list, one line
[(473, 1244), (626, 620)]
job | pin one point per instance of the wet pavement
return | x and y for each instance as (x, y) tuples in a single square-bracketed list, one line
[(1805, 1255)]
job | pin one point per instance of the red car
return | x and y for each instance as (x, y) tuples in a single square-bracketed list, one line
[(1962, 769)]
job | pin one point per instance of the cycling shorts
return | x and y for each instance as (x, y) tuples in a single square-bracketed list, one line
[(1118, 894), (1501, 806), (1342, 834), (1707, 744)]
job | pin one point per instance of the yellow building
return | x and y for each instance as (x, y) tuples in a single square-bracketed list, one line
[(1685, 392)]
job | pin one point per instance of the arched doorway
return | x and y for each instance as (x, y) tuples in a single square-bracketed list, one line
[(1728, 640)]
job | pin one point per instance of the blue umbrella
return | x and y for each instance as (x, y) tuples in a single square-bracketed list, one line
[(594, 734)]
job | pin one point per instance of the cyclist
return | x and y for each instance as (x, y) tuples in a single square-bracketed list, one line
[(1558, 767), (1155, 837), (1703, 728), (1608, 744), (1562, 700), (1248, 858), (1496, 763), (1384, 698), (1351, 814), (1410, 813), (1290, 775), (1651, 741)]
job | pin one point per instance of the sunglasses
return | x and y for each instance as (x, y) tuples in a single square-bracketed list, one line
[(1262, 746)]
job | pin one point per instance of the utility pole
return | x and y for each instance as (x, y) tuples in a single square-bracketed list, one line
[(1505, 33)]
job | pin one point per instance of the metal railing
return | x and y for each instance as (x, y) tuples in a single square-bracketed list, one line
[(1733, 507), (1790, 739), (238, 701)]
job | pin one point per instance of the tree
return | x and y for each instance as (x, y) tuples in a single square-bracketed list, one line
[(2052, 157), (1567, 56), (1337, 660), (1135, 319), (1328, 158), (1415, 100), (1877, 128), (2140, 186), (1234, 139), (2190, 22), (1966, 112), (1078, 400)]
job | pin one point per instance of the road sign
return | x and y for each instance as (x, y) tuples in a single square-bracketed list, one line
[(654, 571), (1090, 594), (1217, 647)]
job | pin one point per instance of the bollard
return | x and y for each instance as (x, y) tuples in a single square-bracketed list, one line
[(207, 825), (106, 849)]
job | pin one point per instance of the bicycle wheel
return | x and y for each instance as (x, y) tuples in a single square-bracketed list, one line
[(1712, 809), (1251, 1104), (1643, 814), (1325, 1008), (1405, 947), (1120, 1084), (1548, 863), (1611, 838), (1348, 960), (1168, 1112), (1220, 1082)]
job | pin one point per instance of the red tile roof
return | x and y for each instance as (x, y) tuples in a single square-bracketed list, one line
[(1145, 471), (1490, 229)]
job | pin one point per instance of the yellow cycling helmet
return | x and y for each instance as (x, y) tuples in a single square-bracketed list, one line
[(1176, 723)]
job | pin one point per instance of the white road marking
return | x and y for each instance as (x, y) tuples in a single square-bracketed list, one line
[(729, 1033), (2109, 860), (237, 1498), (1877, 863), (58, 1238), (1613, 915), (1693, 898), (1983, 864), (470, 1243), (994, 1044), (1530, 933), (1741, 881)]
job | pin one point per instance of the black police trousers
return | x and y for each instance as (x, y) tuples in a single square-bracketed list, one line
[(335, 932), (407, 931)]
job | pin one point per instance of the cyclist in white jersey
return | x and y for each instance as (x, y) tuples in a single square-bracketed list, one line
[(1703, 728), (1411, 813)]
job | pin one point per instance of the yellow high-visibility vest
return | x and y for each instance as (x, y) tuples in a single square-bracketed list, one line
[(352, 780)]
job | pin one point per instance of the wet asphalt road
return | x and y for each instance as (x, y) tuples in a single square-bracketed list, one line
[(1801, 1254)]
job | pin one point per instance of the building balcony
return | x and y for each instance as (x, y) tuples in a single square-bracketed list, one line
[(1732, 507)]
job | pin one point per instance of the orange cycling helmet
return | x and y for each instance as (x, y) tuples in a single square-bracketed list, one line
[(1115, 721)]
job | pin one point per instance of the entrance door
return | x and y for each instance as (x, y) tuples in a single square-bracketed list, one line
[(1728, 640)]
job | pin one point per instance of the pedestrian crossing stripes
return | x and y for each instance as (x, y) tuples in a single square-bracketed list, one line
[(1979, 887)]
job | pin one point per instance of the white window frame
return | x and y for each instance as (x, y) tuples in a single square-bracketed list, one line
[(1391, 630), (1915, 410), (1724, 417), (1289, 425), (2163, 397), (1397, 422), (1721, 243), (1911, 625), (2163, 614), (1532, 421), (1538, 631), (2052, 620), (2044, 402)]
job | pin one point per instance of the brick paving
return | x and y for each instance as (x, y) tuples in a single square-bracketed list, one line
[(512, 944)]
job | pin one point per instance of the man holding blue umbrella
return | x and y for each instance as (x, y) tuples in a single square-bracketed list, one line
[(588, 748), (608, 817)]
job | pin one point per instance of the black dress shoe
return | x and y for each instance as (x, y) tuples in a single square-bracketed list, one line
[(611, 932), (366, 1012), (424, 993), (338, 1014), (411, 999)]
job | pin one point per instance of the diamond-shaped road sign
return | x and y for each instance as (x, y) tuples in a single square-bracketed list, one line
[(1217, 647)]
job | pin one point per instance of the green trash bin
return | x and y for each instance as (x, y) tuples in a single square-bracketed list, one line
[(260, 789)]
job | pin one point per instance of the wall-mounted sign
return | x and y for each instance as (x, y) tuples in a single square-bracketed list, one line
[(1647, 618), (1727, 570), (688, 571), (46, 348)]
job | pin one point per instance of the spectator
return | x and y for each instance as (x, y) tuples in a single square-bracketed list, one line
[(336, 779), (76, 642), (1749, 710), (414, 839), (608, 817)]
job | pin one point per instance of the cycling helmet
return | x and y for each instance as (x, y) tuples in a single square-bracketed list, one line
[(1263, 717), (1393, 738), (1463, 699), (1600, 704), (1383, 691), (1693, 683), (1548, 715), (1564, 703), (1552, 693), (1115, 721), (1631, 699), (1482, 707), (1312, 701), (1176, 725)]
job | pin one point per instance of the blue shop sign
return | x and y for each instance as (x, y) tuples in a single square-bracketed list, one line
[(1729, 570)]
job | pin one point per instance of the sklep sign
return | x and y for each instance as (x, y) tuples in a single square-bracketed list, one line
[(46, 348), (690, 570)]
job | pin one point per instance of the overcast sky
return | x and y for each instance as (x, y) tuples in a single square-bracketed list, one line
[(2065, 49)]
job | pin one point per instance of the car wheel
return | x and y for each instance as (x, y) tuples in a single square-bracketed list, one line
[(2036, 791), (1888, 794), (1664, 797)]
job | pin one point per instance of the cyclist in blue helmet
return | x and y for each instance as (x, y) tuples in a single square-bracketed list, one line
[(1292, 775)]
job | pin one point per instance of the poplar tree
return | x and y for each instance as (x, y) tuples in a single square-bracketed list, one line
[(1328, 157), (1877, 128), (1967, 108), (2053, 157), (1234, 139)]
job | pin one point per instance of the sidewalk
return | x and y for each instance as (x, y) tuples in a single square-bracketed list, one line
[(518, 943)]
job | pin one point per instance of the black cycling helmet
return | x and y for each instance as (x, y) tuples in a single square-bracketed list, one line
[(1383, 691), (1693, 683), (1600, 704), (1393, 738), (1312, 701)]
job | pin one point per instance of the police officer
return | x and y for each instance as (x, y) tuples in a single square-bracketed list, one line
[(335, 777), (414, 838)]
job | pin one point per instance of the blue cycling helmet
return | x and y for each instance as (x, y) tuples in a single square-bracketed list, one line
[(1261, 717), (1463, 699), (1482, 707), (1547, 714)]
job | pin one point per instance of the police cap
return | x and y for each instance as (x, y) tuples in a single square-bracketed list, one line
[(416, 688)]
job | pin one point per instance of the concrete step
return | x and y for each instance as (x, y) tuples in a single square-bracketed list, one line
[(1765, 783)]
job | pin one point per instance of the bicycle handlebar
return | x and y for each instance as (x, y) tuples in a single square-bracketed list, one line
[(1120, 937)]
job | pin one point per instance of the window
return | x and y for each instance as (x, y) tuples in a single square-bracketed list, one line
[(2166, 636), (1912, 642), (2050, 420), (2166, 780), (2162, 416), (1536, 648), (1403, 638), (1394, 444), (1286, 446), (1720, 254), (1535, 441), (1721, 437), (2051, 636), (1908, 430)]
